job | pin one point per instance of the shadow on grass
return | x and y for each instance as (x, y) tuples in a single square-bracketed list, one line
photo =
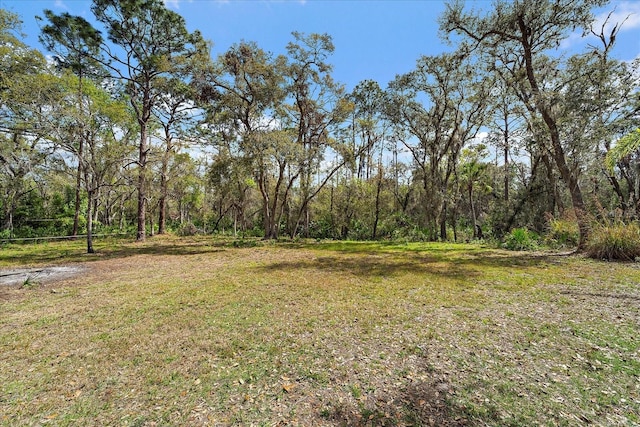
[(417, 404), (369, 259), (75, 251), (371, 266), (453, 264)]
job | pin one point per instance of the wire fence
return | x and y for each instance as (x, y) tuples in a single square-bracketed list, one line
[(45, 238)]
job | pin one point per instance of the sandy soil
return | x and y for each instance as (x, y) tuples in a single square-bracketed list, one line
[(41, 275)]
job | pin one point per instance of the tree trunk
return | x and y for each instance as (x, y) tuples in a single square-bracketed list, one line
[(162, 209), (474, 219), (557, 151), (443, 221), (90, 196), (142, 203), (506, 159), (8, 220), (307, 220), (267, 213), (331, 217), (235, 223), (164, 189), (554, 200), (76, 213), (374, 234), (150, 221), (96, 206), (123, 218)]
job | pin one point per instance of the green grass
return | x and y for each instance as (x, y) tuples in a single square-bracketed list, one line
[(196, 332)]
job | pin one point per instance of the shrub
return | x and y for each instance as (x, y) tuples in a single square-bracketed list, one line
[(188, 229), (616, 241), (521, 239), (562, 232)]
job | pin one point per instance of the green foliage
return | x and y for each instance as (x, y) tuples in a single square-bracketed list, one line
[(624, 147), (617, 241), (322, 166), (411, 234), (244, 243), (188, 229), (321, 229), (521, 239), (562, 232)]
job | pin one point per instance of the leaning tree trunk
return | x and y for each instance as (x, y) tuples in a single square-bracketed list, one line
[(374, 234), (570, 179), (557, 151), (474, 218)]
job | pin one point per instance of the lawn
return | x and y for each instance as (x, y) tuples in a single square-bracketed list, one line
[(204, 332)]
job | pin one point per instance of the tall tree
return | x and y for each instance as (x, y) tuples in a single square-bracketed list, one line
[(472, 175), (101, 123), (318, 107), (144, 41), (437, 109), (519, 35), (369, 128), (26, 91), (75, 43), (246, 87), (599, 108), (179, 112)]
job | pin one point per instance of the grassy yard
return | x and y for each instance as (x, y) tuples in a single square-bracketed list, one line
[(198, 332)]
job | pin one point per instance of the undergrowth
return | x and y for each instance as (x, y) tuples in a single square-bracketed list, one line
[(614, 241), (521, 239)]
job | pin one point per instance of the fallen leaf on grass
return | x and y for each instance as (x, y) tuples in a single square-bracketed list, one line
[(288, 387)]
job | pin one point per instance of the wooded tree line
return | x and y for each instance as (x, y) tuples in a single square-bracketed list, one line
[(135, 125)]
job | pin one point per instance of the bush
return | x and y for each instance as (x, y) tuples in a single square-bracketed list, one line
[(188, 229), (562, 232), (521, 239), (617, 241)]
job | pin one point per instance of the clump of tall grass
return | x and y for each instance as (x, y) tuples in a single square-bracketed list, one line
[(614, 241), (562, 231)]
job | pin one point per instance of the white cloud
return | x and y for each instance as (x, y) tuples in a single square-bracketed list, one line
[(172, 3), (59, 4), (570, 41), (480, 137), (626, 15), (175, 4)]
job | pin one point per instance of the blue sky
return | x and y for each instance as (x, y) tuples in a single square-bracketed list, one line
[(374, 39)]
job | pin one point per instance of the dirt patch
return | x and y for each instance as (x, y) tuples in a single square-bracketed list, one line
[(40, 275)]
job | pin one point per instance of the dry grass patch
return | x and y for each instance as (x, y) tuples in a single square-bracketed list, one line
[(190, 332)]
